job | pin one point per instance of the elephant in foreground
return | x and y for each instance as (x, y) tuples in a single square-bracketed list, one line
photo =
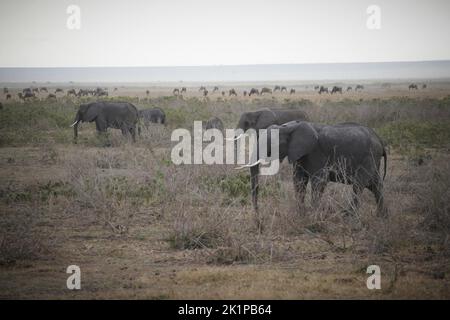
[(155, 115), (348, 153), (117, 115)]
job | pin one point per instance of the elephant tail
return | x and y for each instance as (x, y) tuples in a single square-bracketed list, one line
[(385, 162)]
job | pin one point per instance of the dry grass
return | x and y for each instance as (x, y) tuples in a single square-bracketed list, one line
[(140, 227)]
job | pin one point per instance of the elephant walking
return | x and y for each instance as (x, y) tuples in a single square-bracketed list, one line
[(118, 115), (348, 153)]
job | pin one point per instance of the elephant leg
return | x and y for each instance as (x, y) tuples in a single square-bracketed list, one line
[(133, 133), (318, 184), (377, 190), (300, 183)]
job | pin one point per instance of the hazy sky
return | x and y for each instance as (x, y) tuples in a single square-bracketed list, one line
[(33, 33)]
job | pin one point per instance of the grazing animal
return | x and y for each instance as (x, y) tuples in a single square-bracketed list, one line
[(413, 86), (349, 88), (147, 92), (292, 91), (8, 96), (348, 153), (118, 115), (155, 115), (215, 89), (28, 95), (323, 89), (245, 93), (265, 90), (424, 86), (214, 123), (316, 87), (5, 90), (176, 91), (51, 96), (223, 93), (58, 90), (205, 93), (202, 88), (232, 92), (43, 89), (253, 91), (277, 88), (336, 89), (283, 89), (71, 92), (359, 87), (183, 89)]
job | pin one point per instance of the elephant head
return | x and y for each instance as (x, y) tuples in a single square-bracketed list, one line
[(296, 140), (86, 113)]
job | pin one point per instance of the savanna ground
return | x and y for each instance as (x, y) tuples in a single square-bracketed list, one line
[(141, 227)]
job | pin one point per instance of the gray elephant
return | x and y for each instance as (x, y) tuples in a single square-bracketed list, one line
[(263, 118), (118, 115), (347, 153), (214, 123), (155, 115)]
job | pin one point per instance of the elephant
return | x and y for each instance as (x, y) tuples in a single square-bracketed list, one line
[(348, 153), (118, 115), (232, 92), (336, 89), (155, 115), (261, 119), (323, 89), (214, 123), (265, 90), (253, 91)]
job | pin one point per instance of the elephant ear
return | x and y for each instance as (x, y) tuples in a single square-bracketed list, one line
[(265, 118), (303, 139), (92, 112)]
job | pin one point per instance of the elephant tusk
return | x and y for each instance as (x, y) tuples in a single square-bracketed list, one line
[(236, 138), (74, 123), (260, 161)]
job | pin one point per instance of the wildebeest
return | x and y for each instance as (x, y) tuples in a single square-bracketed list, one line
[(59, 90), (424, 86), (202, 88), (292, 91), (183, 89), (8, 96), (26, 90), (27, 95), (71, 92), (349, 88), (277, 88), (336, 89), (214, 123), (413, 86), (316, 87), (147, 92), (323, 89), (359, 87), (99, 92), (283, 89), (35, 90), (176, 91), (245, 93), (43, 89), (265, 90), (232, 92), (51, 96), (205, 93), (223, 93), (82, 93), (155, 115), (253, 91), (215, 89)]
